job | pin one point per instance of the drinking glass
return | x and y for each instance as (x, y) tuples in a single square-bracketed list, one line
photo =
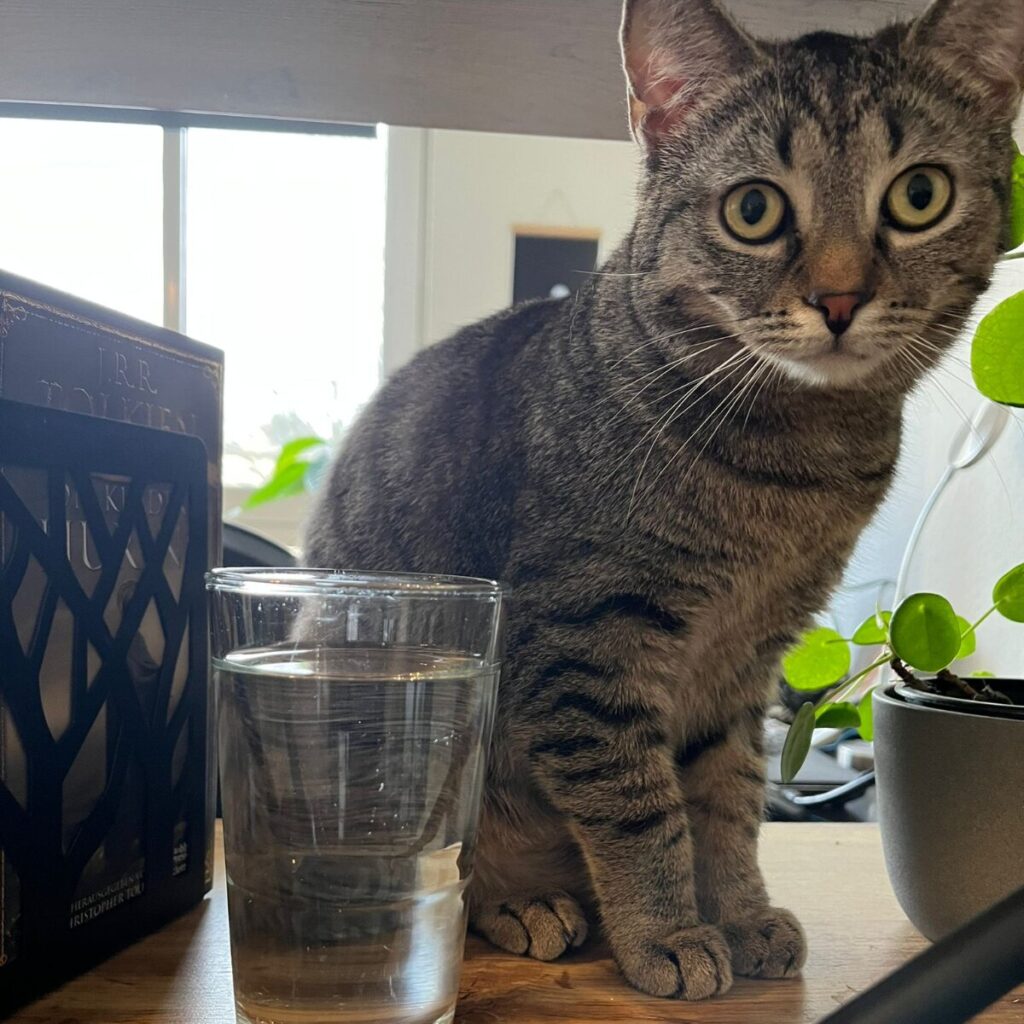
[(354, 715)]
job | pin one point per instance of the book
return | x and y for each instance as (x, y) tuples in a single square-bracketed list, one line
[(103, 648)]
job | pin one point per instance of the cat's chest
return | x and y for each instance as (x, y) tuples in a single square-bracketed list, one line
[(781, 572)]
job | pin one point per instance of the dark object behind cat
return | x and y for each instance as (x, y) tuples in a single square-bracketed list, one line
[(672, 469)]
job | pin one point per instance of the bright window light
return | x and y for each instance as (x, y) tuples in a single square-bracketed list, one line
[(285, 273), (82, 210)]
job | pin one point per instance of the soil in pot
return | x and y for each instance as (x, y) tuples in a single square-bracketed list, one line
[(1003, 698)]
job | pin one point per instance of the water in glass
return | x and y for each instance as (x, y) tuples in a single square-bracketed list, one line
[(351, 785)]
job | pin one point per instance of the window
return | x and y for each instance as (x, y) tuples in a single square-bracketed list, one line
[(82, 210), (284, 270), (268, 244)]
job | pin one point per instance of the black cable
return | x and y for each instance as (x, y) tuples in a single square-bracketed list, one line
[(952, 981)]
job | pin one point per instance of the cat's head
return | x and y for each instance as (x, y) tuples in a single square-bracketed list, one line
[(835, 204)]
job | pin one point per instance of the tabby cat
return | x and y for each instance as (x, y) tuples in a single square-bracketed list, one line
[(671, 468)]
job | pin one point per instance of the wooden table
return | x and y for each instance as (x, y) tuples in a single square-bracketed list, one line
[(182, 975)]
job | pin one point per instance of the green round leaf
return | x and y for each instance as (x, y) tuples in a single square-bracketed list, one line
[(867, 717), (968, 639), (798, 742), (874, 631), (1017, 202), (837, 716), (820, 659), (1009, 594), (925, 632), (997, 353)]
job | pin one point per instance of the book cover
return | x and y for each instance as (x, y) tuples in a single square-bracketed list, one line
[(61, 354)]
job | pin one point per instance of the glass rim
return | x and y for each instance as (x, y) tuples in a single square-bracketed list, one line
[(302, 581)]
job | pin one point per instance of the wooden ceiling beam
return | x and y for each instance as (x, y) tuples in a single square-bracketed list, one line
[(546, 67)]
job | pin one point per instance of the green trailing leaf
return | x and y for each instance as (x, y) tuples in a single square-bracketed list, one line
[(820, 659), (867, 716), (873, 631), (925, 632), (968, 639), (292, 451), (798, 742), (1009, 594), (997, 353), (299, 466), (837, 716), (1017, 202), (285, 484)]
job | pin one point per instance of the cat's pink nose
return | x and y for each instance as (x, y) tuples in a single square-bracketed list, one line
[(838, 308)]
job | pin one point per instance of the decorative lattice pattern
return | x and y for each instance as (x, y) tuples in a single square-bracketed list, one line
[(103, 545)]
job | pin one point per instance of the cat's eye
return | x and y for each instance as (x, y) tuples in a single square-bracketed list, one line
[(919, 198), (754, 212)]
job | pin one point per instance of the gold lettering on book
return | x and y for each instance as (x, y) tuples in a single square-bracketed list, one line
[(120, 370), (124, 391)]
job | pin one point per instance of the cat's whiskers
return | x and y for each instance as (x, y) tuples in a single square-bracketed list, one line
[(775, 373), (678, 409), (943, 356), (672, 335), (958, 325), (730, 401), (918, 370), (951, 330), (759, 371), (634, 399), (661, 371), (658, 340), (615, 273), (689, 388), (752, 376), (940, 355)]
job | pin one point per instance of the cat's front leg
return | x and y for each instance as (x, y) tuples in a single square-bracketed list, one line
[(722, 777), (610, 772)]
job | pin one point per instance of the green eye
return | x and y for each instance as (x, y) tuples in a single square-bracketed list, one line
[(754, 212), (919, 198)]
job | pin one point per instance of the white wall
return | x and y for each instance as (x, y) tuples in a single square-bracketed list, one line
[(479, 186), (976, 531)]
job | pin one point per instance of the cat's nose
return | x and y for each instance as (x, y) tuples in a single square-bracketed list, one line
[(838, 308)]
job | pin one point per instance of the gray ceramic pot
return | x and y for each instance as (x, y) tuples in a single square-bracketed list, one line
[(950, 803)]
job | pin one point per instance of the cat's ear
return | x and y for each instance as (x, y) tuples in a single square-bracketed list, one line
[(675, 52), (982, 40)]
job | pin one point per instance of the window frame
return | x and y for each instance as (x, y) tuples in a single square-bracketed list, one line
[(175, 127)]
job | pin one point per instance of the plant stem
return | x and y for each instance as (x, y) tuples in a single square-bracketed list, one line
[(903, 672), (983, 618), (950, 679), (841, 691), (1011, 256)]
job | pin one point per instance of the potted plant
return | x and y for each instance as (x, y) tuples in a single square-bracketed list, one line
[(949, 750)]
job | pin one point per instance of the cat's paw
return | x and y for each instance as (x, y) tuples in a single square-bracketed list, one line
[(543, 927), (768, 944), (692, 963)]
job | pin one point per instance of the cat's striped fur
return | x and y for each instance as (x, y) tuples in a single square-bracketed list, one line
[(671, 468)]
